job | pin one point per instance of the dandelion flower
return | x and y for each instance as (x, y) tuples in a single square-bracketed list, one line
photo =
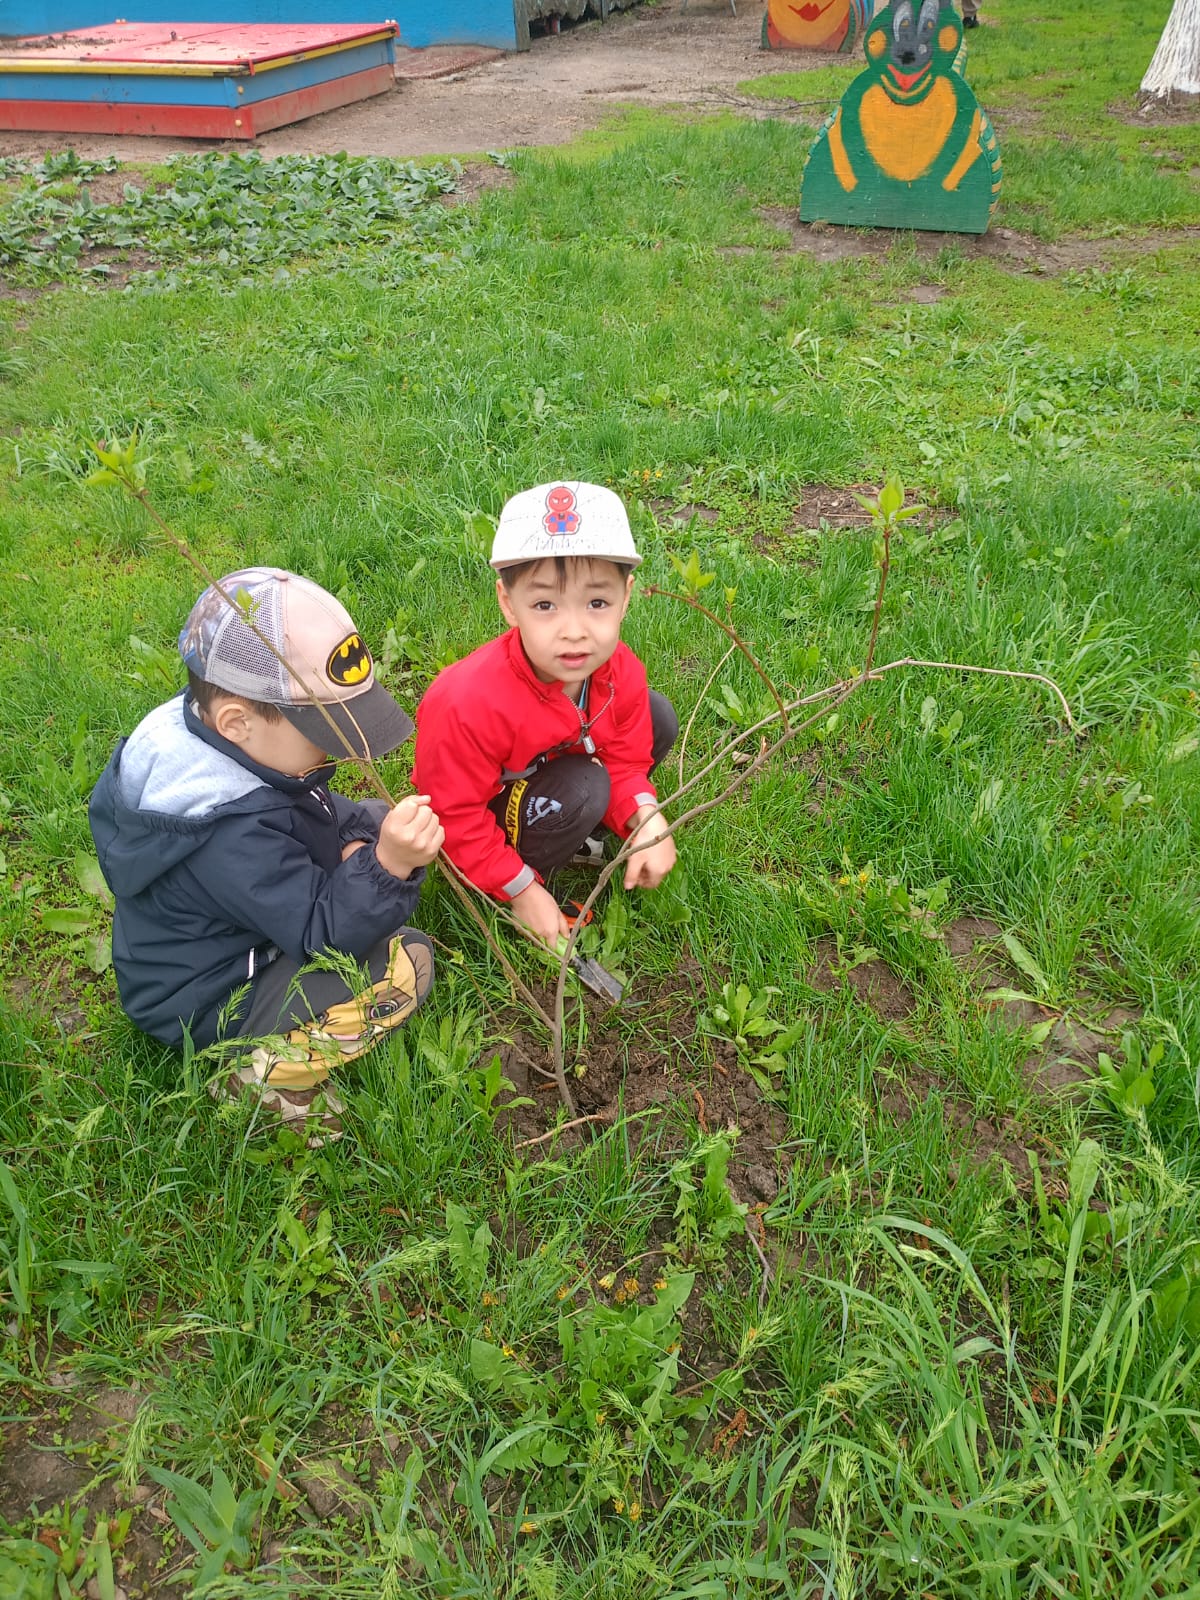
[(489, 1299), (607, 1281), (635, 1510), (618, 1505), (529, 1527), (507, 1350), (660, 1284), (631, 1287)]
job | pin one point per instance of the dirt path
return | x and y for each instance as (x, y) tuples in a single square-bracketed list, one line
[(650, 55)]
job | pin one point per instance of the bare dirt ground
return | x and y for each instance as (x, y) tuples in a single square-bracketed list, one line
[(653, 55)]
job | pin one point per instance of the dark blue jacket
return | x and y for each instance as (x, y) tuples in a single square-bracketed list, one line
[(218, 864)]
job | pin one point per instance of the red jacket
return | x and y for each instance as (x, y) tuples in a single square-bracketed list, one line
[(489, 714)]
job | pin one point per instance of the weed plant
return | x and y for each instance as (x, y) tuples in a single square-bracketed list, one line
[(534, 1371), (217, 216)]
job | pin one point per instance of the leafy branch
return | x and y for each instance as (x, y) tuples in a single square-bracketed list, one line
[(693, 582), (887, 512)]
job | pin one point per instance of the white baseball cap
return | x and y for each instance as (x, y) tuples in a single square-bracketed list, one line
[(563, 519)]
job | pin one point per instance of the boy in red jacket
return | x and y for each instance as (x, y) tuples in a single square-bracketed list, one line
[(530, 743)]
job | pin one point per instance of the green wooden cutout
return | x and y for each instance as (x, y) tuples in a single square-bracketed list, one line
[(908, 146)]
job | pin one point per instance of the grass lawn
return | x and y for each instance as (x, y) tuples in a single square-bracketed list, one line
[(915, 1021)]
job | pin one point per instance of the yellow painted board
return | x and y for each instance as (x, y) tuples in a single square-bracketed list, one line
[(183, 69)]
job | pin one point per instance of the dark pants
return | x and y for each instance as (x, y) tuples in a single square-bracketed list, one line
[(547, 814), (322, 1020)]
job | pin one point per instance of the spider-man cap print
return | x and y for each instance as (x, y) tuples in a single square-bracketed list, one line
[(563, 519)]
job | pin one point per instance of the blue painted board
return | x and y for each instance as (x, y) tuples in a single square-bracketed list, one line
[(220, 89), (422, 22)]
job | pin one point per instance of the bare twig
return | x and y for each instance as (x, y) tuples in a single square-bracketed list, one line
[(731, 745), (576, 1122), (991, 672), (768, 1277), (467, 893), (884, 568), (832, 695), (699, 702), (631, 848), (731, 634)]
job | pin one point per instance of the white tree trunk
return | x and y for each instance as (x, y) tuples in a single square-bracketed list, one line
[(1175, 68)]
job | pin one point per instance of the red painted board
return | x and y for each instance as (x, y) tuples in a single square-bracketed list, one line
[(194, 122), (281, 109), (193, 43)]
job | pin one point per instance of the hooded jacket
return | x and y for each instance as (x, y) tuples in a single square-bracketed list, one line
[(218, 865), (488, 717)]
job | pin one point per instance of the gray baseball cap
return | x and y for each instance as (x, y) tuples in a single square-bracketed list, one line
[(316, 637)]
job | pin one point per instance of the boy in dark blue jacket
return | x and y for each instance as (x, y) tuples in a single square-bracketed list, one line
[(234, 865)]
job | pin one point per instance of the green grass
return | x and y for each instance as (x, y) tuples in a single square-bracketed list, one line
[(1060, 86), (954, 1387)]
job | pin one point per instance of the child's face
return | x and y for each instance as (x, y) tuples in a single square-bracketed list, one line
[(569, 630), (277, 745), (283, 748)]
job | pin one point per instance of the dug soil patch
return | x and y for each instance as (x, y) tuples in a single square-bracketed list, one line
[(668, 1079), (1014, 251), (837, 506), (873, 981)]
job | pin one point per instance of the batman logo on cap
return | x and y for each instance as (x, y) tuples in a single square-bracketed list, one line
[(350, 663)]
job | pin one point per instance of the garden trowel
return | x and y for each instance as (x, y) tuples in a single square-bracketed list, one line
[(597, 979), (589, 972)]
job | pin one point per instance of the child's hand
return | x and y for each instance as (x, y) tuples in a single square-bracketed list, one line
[(538, 910), (410, 837), (647, 868)]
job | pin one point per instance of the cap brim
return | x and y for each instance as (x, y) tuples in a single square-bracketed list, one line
[(372, 723)]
